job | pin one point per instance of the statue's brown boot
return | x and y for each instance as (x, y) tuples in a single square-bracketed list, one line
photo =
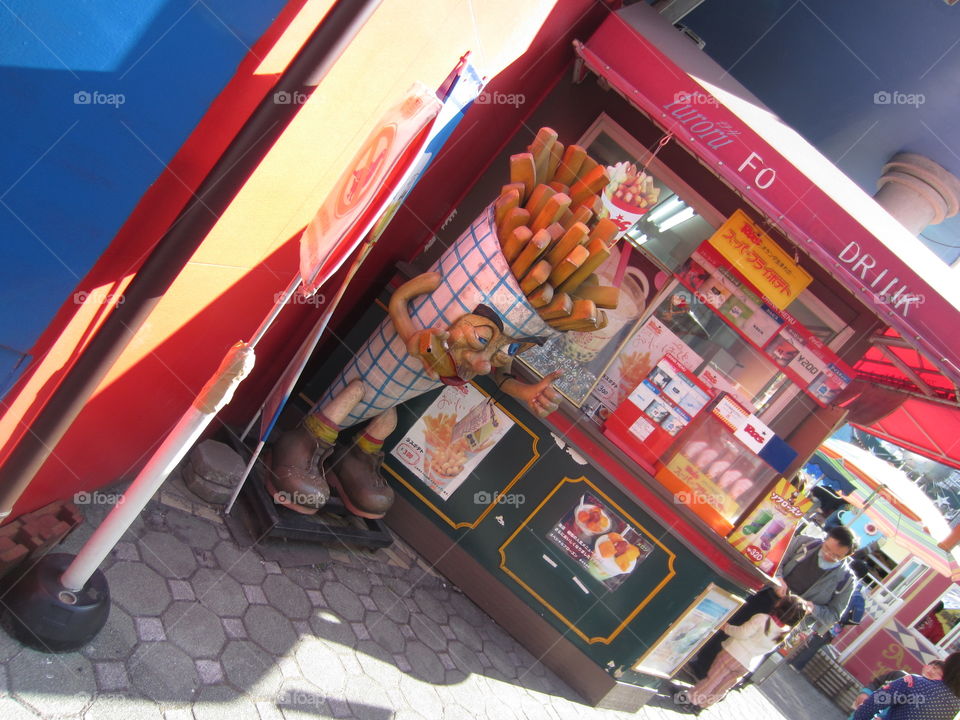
[(357, 479), (295, 480)]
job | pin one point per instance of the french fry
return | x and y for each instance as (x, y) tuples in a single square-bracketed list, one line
[(535, 203), (551, 212), (586, 167), (601, 320), (592, 280), (597, 254), (560, 306), (556, 154), (569, 265), (559, 187), (582, 316), (536, 277), (505, 203), (556, 231), (603, 296), (577, 235), (542, 296), (530, 254), (540, 149), (590, 184), (605, 230), (570, 164), (520, 188), (514, 219), (523, 170), (515, 242), (582, 215)]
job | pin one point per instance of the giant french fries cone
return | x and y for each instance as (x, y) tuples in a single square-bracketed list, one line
[(530, 254), (597, 255), (515, 242), (577, 235), (570, 164), (570, 264), (586, 167), (536, 277), (523, 170), (551, 212), (584, 312)]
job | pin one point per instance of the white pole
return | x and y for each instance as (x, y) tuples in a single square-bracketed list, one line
[(218, 391)]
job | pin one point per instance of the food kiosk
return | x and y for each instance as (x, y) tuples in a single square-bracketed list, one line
[(613, 537)]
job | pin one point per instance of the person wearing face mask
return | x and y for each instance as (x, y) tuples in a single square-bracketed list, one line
[(818, 570)]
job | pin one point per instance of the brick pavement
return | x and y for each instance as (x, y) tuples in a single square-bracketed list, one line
[(203, 629)]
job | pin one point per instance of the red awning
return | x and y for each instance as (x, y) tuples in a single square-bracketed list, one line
[(924, 427), (819, 208)]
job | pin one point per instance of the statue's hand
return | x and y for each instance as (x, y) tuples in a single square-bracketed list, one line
[(540, 398), (430, 346)]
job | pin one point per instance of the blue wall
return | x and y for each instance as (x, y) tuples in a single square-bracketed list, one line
[(72, 172), (819, 64)]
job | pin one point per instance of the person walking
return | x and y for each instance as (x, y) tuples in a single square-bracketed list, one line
[(815, 569), (744, 649)]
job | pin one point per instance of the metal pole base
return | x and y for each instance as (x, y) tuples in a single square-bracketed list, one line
[(42, 614)]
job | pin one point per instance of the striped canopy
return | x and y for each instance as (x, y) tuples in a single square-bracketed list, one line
[(899, 508)]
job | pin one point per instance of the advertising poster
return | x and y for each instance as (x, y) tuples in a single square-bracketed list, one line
[(450, 439), (689, 632), (764, 534), (600, 541)]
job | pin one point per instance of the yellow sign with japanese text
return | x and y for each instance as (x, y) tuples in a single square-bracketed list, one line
[(760, 260)]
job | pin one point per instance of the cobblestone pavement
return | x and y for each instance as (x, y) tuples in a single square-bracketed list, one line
[(202, 629)]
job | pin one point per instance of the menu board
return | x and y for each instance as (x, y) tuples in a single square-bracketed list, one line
[(800, 355), (450, 439), (602, 542)]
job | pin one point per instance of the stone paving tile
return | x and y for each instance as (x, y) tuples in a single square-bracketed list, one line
[(269, 629), (234, 628), (9, 647), (316, 598), (163, 672), (462, 658), (249, 668), (111, 676), (219, 592), (466, 633), (255, 594), (368, 699), (210, 671), (181, 590), (391, 603), (306, 577), (271, 567), (322, 667), (244, 565), (150, 629), (194, 531), (287, 597), (33, 675), (357, 580), (115, 641), (425, 663), (343, 601), (167, 555), (125, 551), (194, 629), (223, 703), (118, 707), (384, 632), (327, 625), (138, 589)]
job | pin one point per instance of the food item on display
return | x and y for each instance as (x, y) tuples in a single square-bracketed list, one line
[(632, 188), (729, 478), (537, 276), (560, 306), (505, 203), (515, 242), (445, 456), (622, 552), (530, 254), (603, 296), (593, 519), (547, 224), (569, 166), (570, 264), (542, 296), (523, 170), (717, 468), (514, 219), (597, 254)]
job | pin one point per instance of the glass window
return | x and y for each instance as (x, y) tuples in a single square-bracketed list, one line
[(940, 624), (904, 578)]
